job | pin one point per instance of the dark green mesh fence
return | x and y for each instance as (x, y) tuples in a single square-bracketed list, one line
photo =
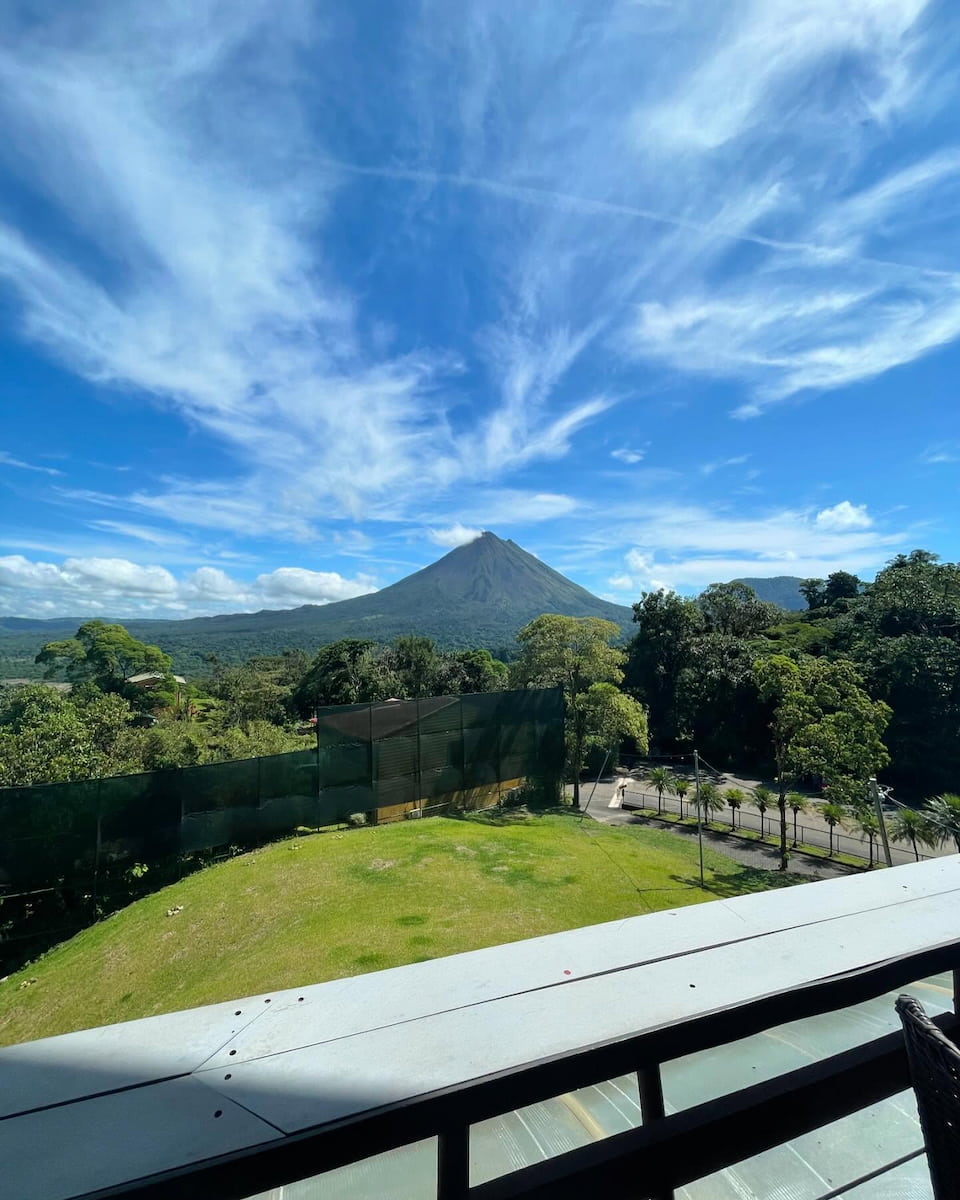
[(367, 758)]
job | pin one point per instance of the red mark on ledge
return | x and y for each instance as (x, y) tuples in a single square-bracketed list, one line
[(566, 972)]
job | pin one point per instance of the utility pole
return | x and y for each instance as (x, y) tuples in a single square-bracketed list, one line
[(874, 790), (696, 773)]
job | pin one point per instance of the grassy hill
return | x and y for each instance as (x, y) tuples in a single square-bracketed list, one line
[(782, 590), (322, 907), (478, 595)]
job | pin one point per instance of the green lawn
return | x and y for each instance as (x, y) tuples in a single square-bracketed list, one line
[(335, 904)]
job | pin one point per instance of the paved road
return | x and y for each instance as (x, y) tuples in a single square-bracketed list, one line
[(751, 854), (812, 829)]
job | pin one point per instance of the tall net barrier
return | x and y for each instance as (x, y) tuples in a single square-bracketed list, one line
[(83, 846)]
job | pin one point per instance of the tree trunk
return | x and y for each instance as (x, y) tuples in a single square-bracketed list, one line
[(659, 802), (916, 851), (794, 829), (830, 855), (782, 805), (576, 789)]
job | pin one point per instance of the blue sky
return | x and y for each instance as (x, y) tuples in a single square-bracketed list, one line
[(295, 297)]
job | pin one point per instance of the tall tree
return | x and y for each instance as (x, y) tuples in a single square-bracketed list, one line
[(680, 787), (344, 672), (572, 653), (463, 671), (798, 803), (660, 778), (823, 722), (814, 592), (735, 798), (834, 815), (909, 825), (943, 818), (734, 610), (416, 664), (103, 654), (841, 585), (610, 716), (659, 658)]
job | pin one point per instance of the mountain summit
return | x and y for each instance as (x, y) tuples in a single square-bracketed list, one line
[(480, 594), (485, 584)]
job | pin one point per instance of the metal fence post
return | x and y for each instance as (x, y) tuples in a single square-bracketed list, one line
[(650, 1088), (453, 1163)]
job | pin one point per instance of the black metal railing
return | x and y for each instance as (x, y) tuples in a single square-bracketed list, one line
[(664, 1153)]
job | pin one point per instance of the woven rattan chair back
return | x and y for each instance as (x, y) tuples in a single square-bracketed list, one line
[(935, 1072)]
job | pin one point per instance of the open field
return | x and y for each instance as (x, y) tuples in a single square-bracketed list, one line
[(316, 908)]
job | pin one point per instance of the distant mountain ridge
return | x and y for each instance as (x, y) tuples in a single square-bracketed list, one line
[(783, 590), (479, 594)]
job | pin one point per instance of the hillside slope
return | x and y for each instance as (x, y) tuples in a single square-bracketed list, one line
[(323, 907), (782, 590), (479, 594)]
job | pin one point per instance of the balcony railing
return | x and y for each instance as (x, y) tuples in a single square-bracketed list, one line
[(232, 1100)]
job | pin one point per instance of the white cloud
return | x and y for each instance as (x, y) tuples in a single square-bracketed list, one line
[(621, 583), (79, 585), (942, 452), (628, 455), (499, 507), (298, 585), (8, 460), (690, 546), (455, 535), (844, 516), (140, 533), (721, 464)]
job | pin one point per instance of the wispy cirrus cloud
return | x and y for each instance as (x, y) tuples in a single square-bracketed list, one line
[(9, 460)]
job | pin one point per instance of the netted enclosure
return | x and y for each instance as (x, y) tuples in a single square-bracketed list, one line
[(87, 846)]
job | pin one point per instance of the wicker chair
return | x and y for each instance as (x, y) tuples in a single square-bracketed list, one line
[(935, 1073)]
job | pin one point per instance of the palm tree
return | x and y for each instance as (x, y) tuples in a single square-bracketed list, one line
[(867, 823), (709, 801), (943, 817), (680, 787), (798, 803), (734, 798), (909, 825), (834, 815), (660, 778), (761, 802)]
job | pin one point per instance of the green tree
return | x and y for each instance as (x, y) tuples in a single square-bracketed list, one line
[(415, 663), (798, 803), (733, 610), (610, 716), (869, 826), (834, 815), (104, 654), (660, 778), (735, 798), (680, 787), (761, 798), (344, 672), (659, 658), (822, 722), (814, 592), (709, 801), (465, 671), (943, 817), (572, 653), (909, 825), (176, 744), (841, 585)]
